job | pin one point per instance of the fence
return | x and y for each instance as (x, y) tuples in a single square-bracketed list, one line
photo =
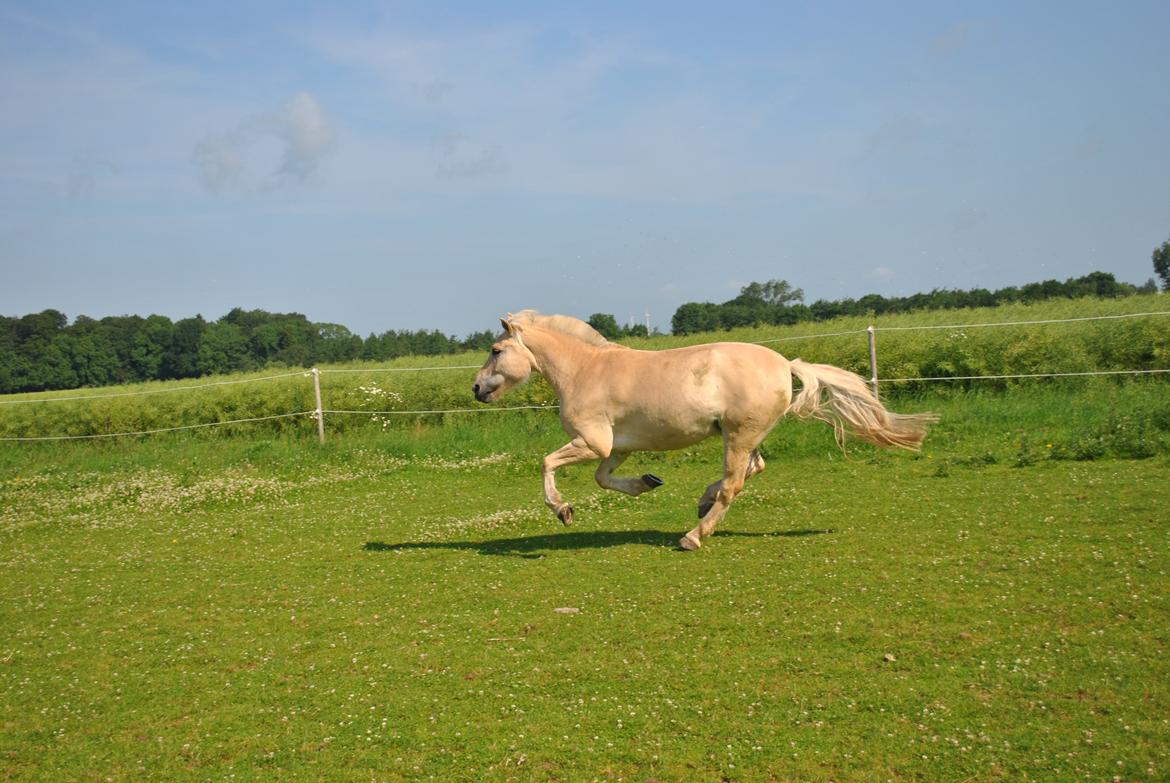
[(319, 411)]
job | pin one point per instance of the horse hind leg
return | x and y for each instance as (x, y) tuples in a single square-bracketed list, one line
[(755, 465), (735, 472), (635, 485)]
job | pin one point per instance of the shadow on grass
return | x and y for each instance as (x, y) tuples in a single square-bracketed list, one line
[(529, 546)]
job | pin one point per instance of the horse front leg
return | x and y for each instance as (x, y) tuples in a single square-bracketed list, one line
[(573, 452)]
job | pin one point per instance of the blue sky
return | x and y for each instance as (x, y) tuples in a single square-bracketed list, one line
[(423, 165)]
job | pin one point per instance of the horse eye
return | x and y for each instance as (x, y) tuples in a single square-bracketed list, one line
[(495, 352)]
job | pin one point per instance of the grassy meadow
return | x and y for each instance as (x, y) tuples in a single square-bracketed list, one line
[(243, 603)]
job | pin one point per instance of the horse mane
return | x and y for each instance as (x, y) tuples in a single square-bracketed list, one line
[(565, 324)]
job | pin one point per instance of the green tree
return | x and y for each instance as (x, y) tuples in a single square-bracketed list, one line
[(777, 293), (94, 360), (606, 325), (149, 347), (338, 344), (694, 317), (1161, 258), (181, 359), (223, 348), (479, 341)]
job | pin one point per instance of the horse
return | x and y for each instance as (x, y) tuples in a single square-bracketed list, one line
[(617, 400)]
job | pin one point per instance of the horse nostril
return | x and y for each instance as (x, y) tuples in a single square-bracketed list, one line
[(475, 389)]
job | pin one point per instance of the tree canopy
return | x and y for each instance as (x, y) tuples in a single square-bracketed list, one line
[(43, 351), (777, 302), (1161, 258)]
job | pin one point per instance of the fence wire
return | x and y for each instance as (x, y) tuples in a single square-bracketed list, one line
[(404, 369), (454, 410), (1020, 323), (144, 392), (1023, 375), (164, 429)]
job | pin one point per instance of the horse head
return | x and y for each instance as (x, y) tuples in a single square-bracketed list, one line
[(509, 364)]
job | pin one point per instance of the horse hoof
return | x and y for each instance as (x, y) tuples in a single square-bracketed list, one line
[(704, 508), (688, 543), (652, 481), (566, 514)]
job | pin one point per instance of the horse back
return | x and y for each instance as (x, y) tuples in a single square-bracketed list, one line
[(712, 380)]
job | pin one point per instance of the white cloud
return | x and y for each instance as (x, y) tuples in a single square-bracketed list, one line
[(953, 40), (460, 157), (238, 160), (594, 116)]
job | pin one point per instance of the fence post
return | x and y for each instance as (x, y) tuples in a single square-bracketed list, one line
[(873, 378), (320, 412)]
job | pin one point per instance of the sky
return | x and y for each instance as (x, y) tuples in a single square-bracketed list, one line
[(437, 165)]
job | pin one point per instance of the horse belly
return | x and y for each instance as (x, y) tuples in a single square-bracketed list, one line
[(641, 432)]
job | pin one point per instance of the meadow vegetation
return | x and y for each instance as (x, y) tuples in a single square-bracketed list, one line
[(1123, 344), (243, 603)]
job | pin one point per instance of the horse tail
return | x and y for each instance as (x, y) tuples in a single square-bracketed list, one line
[(844, 400)]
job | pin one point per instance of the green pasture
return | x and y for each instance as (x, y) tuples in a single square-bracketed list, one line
[(385, 607)]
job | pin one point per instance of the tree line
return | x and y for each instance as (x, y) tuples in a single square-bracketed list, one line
[(43, 351), (777, 302)]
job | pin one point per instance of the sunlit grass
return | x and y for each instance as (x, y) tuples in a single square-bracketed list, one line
[(385, 606)]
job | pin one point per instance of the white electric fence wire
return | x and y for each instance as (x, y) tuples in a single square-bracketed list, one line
[(154, 391), (1021, 323), (1027, 375), (455, 410), (165, 429), (405, 369), (807, 337)]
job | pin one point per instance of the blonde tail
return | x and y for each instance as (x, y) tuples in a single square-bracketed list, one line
[(844, 400)]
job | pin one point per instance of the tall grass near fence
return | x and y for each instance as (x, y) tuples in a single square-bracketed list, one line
[(1082, 420), (389, 396), (914, 345)]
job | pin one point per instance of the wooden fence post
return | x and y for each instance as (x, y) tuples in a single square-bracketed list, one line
[(320, 413), (873, 376)]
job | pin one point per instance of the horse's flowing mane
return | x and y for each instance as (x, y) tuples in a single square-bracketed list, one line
[(565, 324)]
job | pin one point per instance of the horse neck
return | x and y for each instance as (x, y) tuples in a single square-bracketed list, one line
[(558, 356)]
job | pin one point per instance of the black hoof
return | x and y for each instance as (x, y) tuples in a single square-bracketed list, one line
[(652, 481), (704, 508)]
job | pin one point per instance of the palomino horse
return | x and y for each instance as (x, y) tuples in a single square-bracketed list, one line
[(617, 400)]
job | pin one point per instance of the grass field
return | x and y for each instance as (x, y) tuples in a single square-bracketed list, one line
[(385, 607)]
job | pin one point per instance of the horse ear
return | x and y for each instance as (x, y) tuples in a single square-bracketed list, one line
[(507, 325)]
